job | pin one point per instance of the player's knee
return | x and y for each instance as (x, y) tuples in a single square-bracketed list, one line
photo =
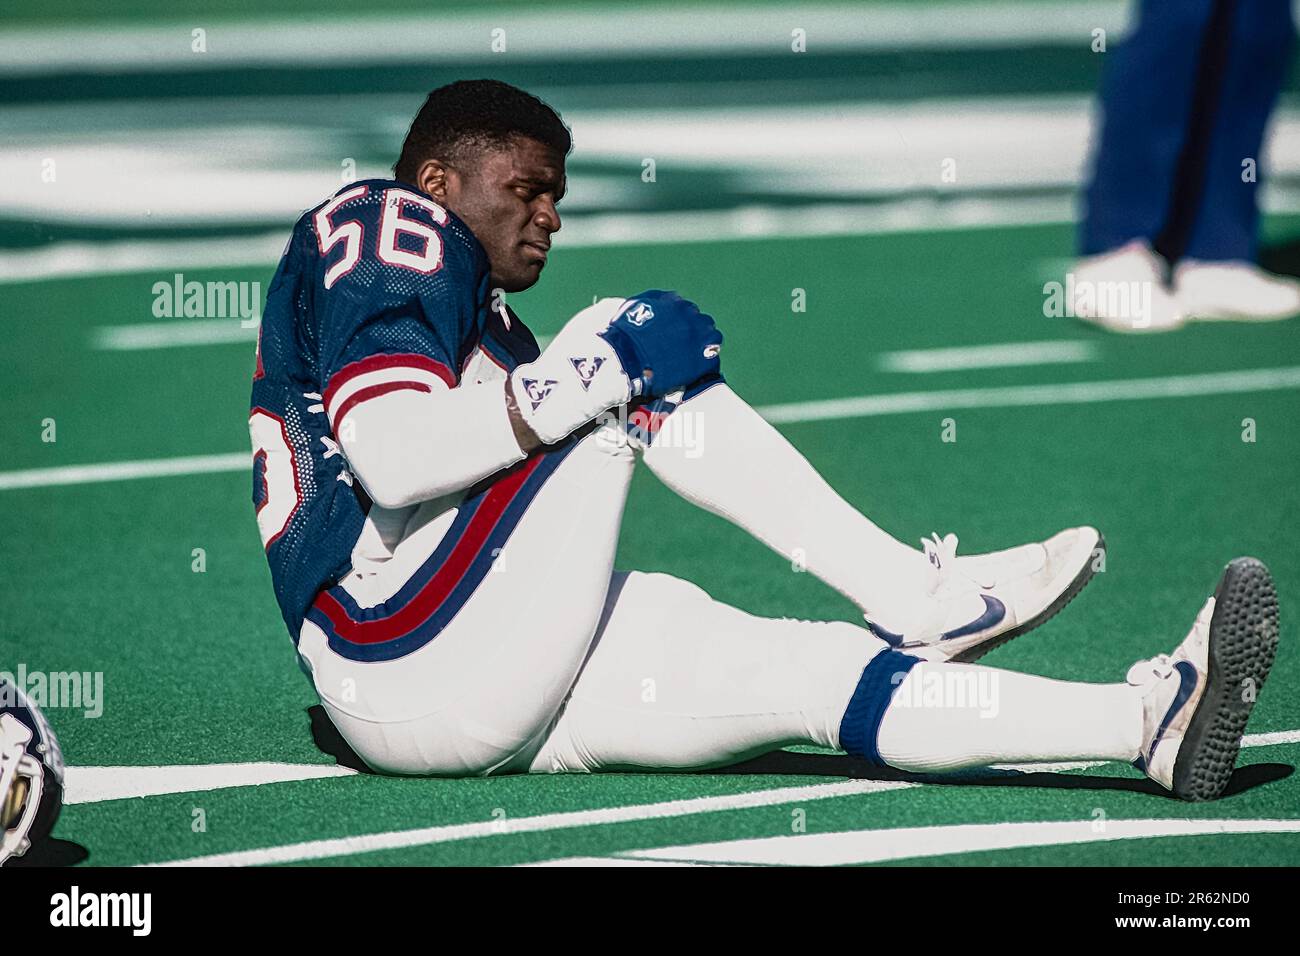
[(654, 599)]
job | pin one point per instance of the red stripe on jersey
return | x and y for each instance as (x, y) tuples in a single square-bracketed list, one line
[(444, 581), (374, 391), (377, 363)]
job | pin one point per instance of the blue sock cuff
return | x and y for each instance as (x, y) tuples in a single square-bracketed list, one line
[(876, 687)]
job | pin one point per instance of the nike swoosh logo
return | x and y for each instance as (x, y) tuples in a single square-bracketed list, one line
[(1188, 673), (994, 612), (889, 637)]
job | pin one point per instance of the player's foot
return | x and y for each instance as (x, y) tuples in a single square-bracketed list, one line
[(978, 602), (1196, 700), (1124, 291), (1234, 290)]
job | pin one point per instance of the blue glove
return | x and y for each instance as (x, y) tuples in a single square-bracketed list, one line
[(664, 343)]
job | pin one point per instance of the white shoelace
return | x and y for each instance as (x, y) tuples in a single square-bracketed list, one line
[(946, 579), (1159, 667)]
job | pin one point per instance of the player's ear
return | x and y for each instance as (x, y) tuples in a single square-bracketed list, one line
[(431, 179)]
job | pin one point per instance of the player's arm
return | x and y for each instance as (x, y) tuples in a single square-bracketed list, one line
[(608, 354), (411, 434), (400, 294), (411, 444), (398, 299), (413, 441)]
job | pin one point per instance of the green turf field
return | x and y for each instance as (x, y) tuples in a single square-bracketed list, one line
[(99, 574)]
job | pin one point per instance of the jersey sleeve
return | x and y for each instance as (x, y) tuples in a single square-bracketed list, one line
[(400, 290)]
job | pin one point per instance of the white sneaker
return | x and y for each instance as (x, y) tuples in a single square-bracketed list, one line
[(1197, 700), (1234, 290), (979, 602), (1124, 291)]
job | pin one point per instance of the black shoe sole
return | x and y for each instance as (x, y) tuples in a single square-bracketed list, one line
[(1243, 645), (1069, 594)]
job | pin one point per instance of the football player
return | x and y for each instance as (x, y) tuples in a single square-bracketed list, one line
[(441, 502), (31, 774)]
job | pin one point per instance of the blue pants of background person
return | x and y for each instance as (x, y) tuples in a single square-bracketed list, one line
[(1185, 100)]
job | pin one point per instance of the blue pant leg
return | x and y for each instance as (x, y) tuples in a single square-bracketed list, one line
[(1145, 105), (1260, 45)]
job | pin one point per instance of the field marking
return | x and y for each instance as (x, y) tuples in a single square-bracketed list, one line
[(1064, 393), (866, 406), (162, 335), (904, 843), (1003, 355), (95, 784), (125, 470), (401, 839), (66, 260), (61, 260), (1271, 738), (88, 784), (1025, 153), (909, 215), (574, 32)]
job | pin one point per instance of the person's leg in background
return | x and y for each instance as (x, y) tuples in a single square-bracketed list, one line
[(1145, 105), (1185, 101), (1214, 242), (1144, 108)]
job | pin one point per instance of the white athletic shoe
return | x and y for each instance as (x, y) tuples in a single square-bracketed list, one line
[(979, 602), (1234, 290), (1196, 701), (1124, 291)]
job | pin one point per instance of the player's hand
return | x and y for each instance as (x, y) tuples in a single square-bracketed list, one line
[(664, 343)]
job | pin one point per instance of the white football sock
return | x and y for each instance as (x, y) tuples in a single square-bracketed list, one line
[(718, 453), (949, 716)]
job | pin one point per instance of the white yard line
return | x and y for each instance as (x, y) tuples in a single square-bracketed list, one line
[(62, 260), (128, 256), (94, 784), (1271, 739), (866, 406), (164, 335), (873, 165), (1066, 393), (370, 843), (559, 31), (118, 780), (66, 260), (1005, 355), (905, 843), (125, 470)]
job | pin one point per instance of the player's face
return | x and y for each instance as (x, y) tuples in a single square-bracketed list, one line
[(509, 202)]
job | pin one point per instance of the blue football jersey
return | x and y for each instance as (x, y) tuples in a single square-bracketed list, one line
[(380, 288)]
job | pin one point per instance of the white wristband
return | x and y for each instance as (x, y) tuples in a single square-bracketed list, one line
[(569, 385)]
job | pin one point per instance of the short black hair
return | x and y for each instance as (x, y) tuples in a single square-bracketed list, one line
[(474, 115)]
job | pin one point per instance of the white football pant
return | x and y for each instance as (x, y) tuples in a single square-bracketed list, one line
[(558, 663)]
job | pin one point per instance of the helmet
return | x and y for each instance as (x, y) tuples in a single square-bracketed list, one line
[(31, 773)]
